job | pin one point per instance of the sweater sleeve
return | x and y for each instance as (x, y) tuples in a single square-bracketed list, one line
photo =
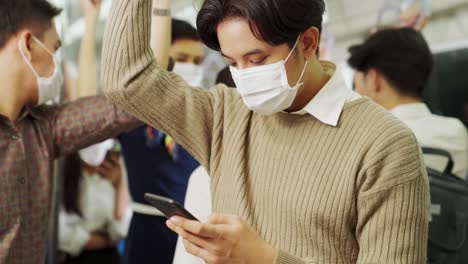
[(393, 202), (282, 257), (133, 80)]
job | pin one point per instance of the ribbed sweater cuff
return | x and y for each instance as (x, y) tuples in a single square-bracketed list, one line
[(282, 257)]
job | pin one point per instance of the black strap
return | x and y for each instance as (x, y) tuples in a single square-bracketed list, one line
[(442, 153)]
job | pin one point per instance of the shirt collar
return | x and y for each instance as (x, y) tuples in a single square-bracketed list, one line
[(328, 104), (24, 113), (34, 114), (29, 111), (411, 111)]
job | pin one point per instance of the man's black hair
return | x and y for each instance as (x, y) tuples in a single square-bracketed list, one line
[(401, 55), (275, 22), (18, 14), (183, 30)]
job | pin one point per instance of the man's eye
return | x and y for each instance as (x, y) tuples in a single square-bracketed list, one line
[(259, 61)]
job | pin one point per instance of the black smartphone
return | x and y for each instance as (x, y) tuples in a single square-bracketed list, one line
[(168, 206)]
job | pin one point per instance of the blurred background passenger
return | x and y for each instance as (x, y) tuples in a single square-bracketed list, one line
[(393, 68), (91, 222), (187, 52)]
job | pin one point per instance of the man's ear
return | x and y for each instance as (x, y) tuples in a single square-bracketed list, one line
[(310, 40), (25, 40), (372, 81), (379, 82)]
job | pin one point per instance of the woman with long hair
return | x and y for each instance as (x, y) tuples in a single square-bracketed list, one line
[(94, 215)]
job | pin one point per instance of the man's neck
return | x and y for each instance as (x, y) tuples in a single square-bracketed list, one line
[(10, 105), (397, 100), (316, 80)]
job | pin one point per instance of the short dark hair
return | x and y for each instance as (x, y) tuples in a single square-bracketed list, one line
[(183, 30), (401, 55), (16, 14), (274, 21)]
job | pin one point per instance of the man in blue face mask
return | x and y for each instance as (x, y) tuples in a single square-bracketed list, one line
[(33, 134)]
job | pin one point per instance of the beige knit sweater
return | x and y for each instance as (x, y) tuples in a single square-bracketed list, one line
[(355, 193)]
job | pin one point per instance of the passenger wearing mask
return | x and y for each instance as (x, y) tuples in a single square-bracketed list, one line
[(187, 52), (303, 170), (90, 221), (32, 134), (156, 164), (393, 67)]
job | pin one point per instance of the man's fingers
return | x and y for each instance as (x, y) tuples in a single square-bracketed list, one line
[(198, 251), (197, 228), (206, 243)]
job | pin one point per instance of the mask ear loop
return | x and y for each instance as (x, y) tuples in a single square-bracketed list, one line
[(43, 46), (50, 53), (302, 74), (27, 61), (306, 63), (292, 50)]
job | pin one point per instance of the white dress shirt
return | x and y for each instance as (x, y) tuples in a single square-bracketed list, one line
[(438, 132), (328, 104), (97, 203)]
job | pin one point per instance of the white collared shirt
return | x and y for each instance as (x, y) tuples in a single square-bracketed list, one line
[(438, 132), (328, 104)]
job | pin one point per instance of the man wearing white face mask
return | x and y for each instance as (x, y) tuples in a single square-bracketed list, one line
[(187, 52), (32, 135), (303, 170)]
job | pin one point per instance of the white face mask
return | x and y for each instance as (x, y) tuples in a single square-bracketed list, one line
[(48, 87), (96, 154), (192, 74), (265, 89)]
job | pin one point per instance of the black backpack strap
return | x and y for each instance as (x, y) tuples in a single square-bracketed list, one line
[(441, 153)]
